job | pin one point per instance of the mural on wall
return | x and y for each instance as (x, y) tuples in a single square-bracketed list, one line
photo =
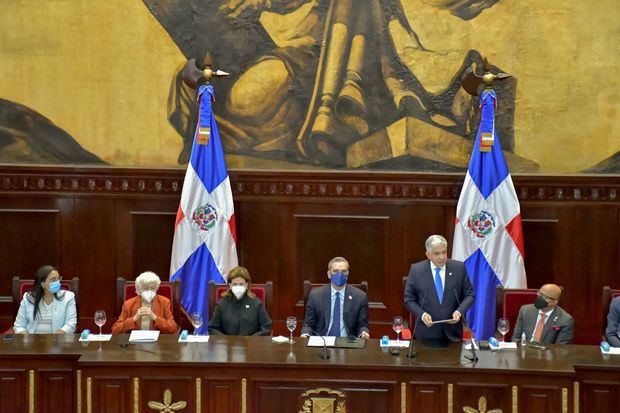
[(355, 84)]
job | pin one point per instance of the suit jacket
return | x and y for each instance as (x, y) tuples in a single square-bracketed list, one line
[(612, 333), (244, 317), (421, 297), (318, 311), (161, 307), (558, 328), (64, 315)]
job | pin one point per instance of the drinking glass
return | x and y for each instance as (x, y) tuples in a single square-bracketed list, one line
[(503, 326), (196, 322), (291, 324), (100, 319), (397, 326)]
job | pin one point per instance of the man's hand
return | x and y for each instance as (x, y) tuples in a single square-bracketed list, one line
[(365, 335), (456, 317), (427, 319)]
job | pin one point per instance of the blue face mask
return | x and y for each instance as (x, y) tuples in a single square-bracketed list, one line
[(54, 287), (339, 279)]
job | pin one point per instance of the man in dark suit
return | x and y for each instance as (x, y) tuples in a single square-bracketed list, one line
[(438, 289), (612, 332), (545, 321), (337, 309)]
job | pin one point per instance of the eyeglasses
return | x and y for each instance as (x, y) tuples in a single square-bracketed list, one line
[(546, 297)]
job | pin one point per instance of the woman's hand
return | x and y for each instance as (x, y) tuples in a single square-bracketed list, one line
[(144, 311)]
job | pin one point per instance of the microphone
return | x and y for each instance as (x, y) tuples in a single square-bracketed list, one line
[(474, 356), (412, 353), (325, 354)]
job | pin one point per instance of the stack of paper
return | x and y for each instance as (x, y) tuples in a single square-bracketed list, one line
[(143, 336)]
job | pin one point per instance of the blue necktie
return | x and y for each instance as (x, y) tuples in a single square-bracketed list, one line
[(335, 330), (438, 285)]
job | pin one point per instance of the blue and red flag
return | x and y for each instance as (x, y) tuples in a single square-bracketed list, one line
[(488, 235), (204, 246)]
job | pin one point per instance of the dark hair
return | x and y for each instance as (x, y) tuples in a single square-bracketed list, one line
[(37, 290), (239, 272)]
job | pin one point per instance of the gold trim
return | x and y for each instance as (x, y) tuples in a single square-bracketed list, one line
[(515, 399), (198, 393), (78, 379), (564, 400), (576, 397), (244, 401), (31, 391), (89, 395), (450, 396), (403, 397), (136, 395)]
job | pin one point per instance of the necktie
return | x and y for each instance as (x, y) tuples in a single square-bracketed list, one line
[(335, 330), (539, 327), (438, 285)]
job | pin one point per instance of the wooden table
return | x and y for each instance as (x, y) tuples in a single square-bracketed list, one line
[(251, 374)]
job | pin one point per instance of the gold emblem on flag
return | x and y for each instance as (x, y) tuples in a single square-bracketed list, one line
[(486, 141), (203, 136)]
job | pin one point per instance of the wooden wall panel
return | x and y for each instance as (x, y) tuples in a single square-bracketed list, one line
[(110, 394), (100, 223), (60, 386), (12, 396)]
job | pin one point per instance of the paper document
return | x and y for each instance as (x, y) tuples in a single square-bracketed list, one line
[(317, 341), (447, 320), (97, 337), (613, 350), (396, 343), (143, 336), (194, 339)]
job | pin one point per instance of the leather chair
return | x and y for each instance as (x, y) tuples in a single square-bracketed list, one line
[(608, 295), (508, 302), (171, 290), (263, 292)]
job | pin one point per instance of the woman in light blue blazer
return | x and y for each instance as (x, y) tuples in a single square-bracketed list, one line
[(46, 309)]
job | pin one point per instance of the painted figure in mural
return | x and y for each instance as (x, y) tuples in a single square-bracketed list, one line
[(339, 83)]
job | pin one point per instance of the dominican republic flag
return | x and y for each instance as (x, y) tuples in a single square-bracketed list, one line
[(488, 236), (204, 246)]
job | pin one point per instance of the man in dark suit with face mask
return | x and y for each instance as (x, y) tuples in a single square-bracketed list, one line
[(545, 321), (337, 309)]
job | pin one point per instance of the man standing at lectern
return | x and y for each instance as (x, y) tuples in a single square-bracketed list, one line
[(438, 289)]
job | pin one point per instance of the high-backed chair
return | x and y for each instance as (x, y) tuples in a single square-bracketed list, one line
[(171, 290), (308, 286), (263, 292), (21, 286), (608, 295), (508, 302)]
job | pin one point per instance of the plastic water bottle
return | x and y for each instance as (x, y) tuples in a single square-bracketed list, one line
[(523, 339), (385, 341), (605, 348)]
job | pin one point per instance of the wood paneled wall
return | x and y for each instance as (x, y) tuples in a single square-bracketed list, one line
[(101, 223)]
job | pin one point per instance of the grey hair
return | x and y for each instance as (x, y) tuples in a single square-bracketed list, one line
[(434, 241), (335, 260), (146, 278)]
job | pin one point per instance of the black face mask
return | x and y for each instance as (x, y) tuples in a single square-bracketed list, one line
[(540, 303)]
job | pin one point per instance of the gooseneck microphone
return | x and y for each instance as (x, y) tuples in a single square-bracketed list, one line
[(412, 353), (325, 353), (474, 356)]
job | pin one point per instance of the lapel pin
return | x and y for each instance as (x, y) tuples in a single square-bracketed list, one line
[(449, 273), (247, 306), (350, 298)]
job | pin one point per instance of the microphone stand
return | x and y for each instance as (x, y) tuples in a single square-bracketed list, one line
[(412, 353), (325, 354), (474, 356)]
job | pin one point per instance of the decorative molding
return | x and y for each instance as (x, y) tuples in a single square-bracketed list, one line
[(564, 400), (450, 397), (323, 400), (30, 391), (403, 397), (168, 406), (515, 399), (136, 395), (78, 379), (198, 395), (576, 397), (300, 184), (244, 396), (482, 407), (89, 395)]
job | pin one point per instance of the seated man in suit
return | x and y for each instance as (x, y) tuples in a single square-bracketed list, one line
[(438, 289), (612, 333), (545, 321), (337, 309)]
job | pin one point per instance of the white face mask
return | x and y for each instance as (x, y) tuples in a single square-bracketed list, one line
[(238, 290), (148, 296)]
